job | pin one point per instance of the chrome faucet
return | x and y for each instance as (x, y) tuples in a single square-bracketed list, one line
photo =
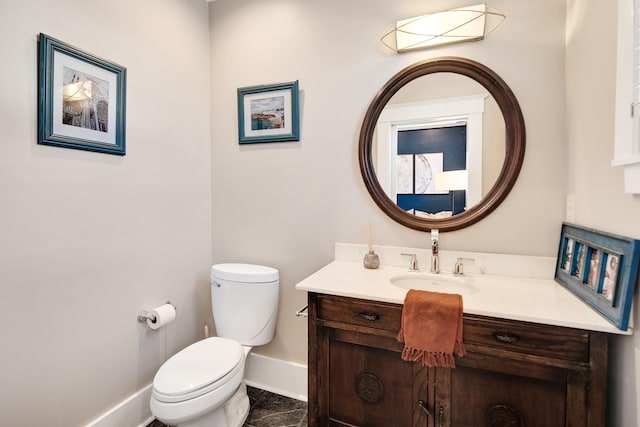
[(413, 263), (435, 257)]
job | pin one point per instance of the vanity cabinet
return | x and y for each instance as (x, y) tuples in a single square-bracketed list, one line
[(514, 373)]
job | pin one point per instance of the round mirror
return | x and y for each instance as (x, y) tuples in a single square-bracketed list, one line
[(442, 144)]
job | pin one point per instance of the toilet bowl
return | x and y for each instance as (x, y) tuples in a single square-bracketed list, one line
[(197, 380), (203, 385)]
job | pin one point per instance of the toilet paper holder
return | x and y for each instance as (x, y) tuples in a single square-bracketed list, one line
[(144, 315)]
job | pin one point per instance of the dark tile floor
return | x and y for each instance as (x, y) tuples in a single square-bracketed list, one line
[(270, 410)]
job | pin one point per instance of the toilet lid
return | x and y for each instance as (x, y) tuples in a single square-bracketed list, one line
[(197, 366)]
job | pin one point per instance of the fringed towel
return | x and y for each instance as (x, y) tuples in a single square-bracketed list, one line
[(431, 328)]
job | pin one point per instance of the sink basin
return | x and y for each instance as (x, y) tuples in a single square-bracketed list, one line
[(435, 283)]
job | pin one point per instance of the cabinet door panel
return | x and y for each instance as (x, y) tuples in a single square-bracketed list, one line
[(489, 398), (369, 386)]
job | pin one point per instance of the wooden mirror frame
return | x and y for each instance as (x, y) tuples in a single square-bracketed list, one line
[(514, 142)]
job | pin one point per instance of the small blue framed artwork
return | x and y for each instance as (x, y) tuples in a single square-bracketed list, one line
[(601, 269), (81, 99), (269, 113)]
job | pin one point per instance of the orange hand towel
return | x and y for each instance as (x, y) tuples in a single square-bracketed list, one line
[(431, 328)]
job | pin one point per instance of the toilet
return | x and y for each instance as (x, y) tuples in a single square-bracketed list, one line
[(203, 384)]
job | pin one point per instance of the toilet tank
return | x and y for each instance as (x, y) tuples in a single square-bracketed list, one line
[(244, 301)]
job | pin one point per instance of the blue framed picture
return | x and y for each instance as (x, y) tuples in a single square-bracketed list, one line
[(268, 113), (81, 99), (601, 269)]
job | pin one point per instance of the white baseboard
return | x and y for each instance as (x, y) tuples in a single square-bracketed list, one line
[(133, 411), (277, 376), (274, 375)]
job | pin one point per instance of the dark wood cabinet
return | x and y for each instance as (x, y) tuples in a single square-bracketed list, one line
[(514, 373)]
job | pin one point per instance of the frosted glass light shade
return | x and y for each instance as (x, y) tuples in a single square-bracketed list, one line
[(459, 25)]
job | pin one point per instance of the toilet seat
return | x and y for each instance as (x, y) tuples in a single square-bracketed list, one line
[(198, 369)]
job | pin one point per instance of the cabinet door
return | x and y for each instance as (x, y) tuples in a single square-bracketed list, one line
[(372, 386), (497, 392)]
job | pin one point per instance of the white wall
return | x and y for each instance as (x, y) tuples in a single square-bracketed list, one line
[(88, 240), (286, 204), (598, 188)]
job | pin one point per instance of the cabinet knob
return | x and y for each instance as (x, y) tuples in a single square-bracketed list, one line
[(506, 337), (371, 317)]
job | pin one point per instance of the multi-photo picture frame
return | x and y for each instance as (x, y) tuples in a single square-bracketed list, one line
[(601, 269)]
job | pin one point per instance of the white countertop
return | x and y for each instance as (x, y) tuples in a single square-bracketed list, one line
[(526, 299)]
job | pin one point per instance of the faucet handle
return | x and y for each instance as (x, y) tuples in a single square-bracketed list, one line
[(458, 269), (413, 263)]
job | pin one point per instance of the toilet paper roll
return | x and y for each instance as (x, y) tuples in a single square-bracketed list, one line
[(163, 315)]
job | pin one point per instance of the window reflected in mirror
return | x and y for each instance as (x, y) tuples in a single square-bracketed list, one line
[(447, 115)]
